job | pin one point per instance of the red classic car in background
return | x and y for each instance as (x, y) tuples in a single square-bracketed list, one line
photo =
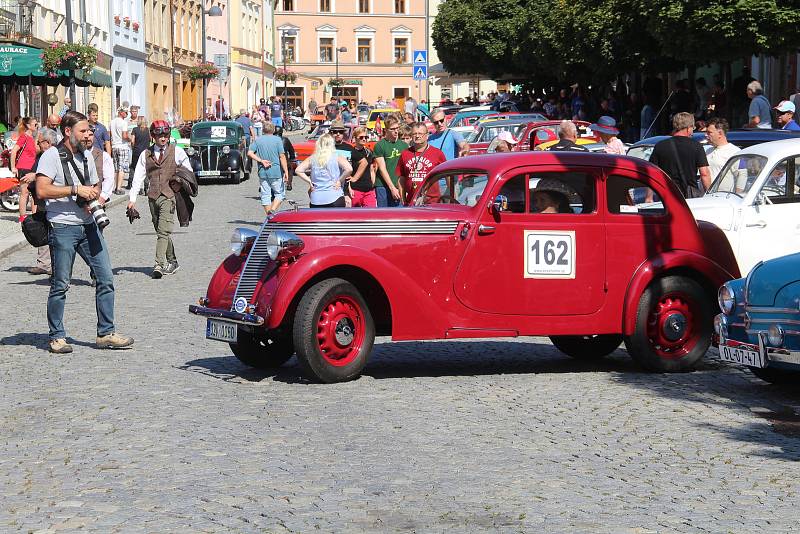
[(589, 249), (305, 148)]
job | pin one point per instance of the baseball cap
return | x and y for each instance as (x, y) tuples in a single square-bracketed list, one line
[(785, 106), (507, 137), (337, 125), (123, 108)]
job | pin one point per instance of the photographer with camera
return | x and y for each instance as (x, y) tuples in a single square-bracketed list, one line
[(66, 178)]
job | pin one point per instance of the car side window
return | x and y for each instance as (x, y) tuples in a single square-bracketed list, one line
[(626, 196), (562, 192), (781, 185), (514, 190)]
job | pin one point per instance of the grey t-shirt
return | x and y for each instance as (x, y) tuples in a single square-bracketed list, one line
[(65, 210)]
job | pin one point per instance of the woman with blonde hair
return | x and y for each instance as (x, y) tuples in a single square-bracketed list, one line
[(140, 140), (328, 171)]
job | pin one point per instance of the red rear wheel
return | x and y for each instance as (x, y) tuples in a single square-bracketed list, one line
[(674, 323), (333, 331)]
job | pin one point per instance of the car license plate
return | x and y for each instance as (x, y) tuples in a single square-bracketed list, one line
[(221, 330), (741, 355), (208, 173)]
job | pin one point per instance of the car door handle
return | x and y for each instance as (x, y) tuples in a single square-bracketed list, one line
[(759, 224), (484, 230)]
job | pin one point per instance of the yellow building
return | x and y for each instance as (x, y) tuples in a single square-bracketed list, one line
[(158, 65), (251, 69), (187, 49)]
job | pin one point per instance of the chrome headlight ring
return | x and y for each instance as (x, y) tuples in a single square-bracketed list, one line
[(283, 245), (775, 335), (190, 151), (726, 297), (226, 150), (240, 238)]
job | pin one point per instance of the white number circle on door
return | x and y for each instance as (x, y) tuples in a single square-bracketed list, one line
[(549, 254)]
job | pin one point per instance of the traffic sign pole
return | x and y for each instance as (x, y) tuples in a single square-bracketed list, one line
[(419, 69)]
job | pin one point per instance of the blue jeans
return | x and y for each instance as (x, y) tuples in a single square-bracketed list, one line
[(277, 121), (385, 199), (65, 241)]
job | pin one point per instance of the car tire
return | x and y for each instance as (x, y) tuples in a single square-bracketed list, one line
[(779, 377), (674, 323), (333, 331), (262, 351), (587, 347)]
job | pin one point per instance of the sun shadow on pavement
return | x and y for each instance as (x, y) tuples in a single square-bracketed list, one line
[(240, 221), (38, 340), (230, 369), (121, 270)]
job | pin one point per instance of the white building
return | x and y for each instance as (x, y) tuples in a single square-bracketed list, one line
[(128, 69)]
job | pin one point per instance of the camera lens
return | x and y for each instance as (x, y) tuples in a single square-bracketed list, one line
[(99, 214)]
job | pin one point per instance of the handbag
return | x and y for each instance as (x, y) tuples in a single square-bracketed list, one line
[(36, 229)]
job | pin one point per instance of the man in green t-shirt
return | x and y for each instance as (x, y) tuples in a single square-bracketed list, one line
[(387, 153)]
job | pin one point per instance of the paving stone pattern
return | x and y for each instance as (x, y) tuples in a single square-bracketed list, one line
[(485, 435)]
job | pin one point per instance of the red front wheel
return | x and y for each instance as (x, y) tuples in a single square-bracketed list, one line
[(333, 331), (674, 323)]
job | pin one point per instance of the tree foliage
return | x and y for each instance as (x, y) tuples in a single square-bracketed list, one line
[(598, 40)]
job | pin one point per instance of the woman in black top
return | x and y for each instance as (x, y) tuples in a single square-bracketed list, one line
[(362, 183), (140, 140)]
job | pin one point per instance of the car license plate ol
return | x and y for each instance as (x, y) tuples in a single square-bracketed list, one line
[(741, 355), (221, 331), (207, 173)]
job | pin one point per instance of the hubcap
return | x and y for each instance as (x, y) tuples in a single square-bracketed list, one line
[(345, 332), (674, 326), (340, 330)]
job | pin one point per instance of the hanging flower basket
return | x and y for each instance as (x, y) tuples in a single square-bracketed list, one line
[(285, 75), (73, 56), (203, 71), (336, 82)]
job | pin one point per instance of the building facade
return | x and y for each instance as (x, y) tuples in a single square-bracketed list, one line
[(366, 44), (127, 30), (217, 38), (250, 62), (158, 60), (187, 45)]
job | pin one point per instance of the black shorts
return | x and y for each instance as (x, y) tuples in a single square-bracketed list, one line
[(338, 203)]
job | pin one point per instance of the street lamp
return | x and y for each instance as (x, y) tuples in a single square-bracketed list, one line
[(340, 49), (215, 11), (284, 34)]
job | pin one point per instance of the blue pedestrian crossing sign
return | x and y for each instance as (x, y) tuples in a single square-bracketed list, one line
[(421, 57), (420, 72)]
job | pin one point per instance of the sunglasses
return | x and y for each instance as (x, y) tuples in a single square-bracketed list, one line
[(362, 137), (337, 132), (160, 130), (440, 121)]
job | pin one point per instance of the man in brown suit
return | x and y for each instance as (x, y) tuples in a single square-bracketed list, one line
[(159, 163)]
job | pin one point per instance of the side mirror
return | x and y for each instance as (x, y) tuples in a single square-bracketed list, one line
[(500, 203)]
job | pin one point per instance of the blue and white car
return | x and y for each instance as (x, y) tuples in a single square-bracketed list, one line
[(759, 326)]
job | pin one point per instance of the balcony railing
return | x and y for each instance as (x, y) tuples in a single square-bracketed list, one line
[(16, 20)]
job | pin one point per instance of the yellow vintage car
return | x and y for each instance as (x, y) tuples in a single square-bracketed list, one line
[(379, 112)]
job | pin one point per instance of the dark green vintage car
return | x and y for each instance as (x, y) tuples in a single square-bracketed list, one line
[(217, 150)]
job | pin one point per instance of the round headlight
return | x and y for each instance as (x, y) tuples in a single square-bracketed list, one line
[(226, 150), (282, 245), (775, 335), (727, 299), (240, 238), (190, 151)]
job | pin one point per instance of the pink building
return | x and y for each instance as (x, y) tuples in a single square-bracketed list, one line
[(217, 42), (371, 40)]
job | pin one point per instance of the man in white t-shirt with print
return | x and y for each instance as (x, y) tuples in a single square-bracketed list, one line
[(120, 147), (716, 133)]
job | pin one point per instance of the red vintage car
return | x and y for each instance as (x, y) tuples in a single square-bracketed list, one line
[(486, 130), (536, 133), (305, 148), (589, 249)]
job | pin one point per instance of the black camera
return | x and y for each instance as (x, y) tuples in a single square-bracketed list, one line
[(97, 211)]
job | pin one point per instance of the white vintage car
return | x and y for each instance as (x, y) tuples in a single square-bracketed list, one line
[(755, 200)]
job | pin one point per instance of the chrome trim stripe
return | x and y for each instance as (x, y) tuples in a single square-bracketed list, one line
[(763, 309), (367, 228), (253, 267), (785, 332), (776, 320)]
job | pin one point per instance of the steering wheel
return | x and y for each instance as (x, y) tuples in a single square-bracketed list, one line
[(448, 199)]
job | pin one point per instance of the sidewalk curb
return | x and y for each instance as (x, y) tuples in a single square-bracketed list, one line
[(16, 242)]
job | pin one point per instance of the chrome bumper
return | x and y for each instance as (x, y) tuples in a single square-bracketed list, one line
[(227, 315), (770, 354)]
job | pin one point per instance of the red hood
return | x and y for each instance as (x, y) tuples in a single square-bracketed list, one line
[(438, 213)]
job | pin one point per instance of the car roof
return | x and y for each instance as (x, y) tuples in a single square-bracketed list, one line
[(505, 121), (501, 162), (229, 124), (775, 149)]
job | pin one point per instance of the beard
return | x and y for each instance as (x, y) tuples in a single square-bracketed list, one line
[(76, 142)]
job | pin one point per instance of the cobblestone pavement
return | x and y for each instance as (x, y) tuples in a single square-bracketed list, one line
[(486, 435)]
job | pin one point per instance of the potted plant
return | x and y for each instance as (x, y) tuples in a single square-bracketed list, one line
[(68, 56), (205, 70), (127, 21), (336, 82), (285, 75), (135, 26), (116, 19)]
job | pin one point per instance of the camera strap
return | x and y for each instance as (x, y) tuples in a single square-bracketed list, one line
[(67, 158)]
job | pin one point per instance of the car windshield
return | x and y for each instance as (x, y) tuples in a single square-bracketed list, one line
[(463, 189), (739, 174), (214, 132), (641, 152), (487, 133)]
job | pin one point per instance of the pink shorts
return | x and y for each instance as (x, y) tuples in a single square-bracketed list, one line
[(363, 199)]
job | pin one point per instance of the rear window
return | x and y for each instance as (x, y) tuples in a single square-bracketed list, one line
[(627, 196)]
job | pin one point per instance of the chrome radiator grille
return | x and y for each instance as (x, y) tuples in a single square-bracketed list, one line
[(208, 158), (254, 267)]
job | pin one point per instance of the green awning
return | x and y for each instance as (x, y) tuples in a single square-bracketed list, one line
[(19, 63)]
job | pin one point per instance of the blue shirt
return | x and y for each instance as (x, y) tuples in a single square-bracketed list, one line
[(759, 106), (246, 124), (101, 135), (269, 147), (792, 126), (447, 142)]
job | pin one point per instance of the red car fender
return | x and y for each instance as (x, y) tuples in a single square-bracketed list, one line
[(402, 291), (707, 272)]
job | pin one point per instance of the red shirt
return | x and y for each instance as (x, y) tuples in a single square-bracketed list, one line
[(26, 155), (414, 167)]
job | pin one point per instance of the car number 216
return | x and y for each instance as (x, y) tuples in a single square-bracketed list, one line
[(549, 254)]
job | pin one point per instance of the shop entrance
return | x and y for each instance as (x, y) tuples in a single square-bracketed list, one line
[(348, 94), (292, 97)]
